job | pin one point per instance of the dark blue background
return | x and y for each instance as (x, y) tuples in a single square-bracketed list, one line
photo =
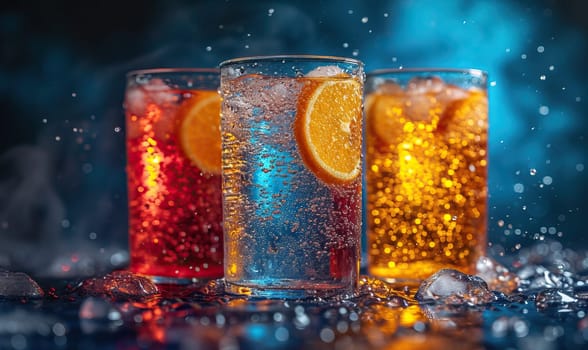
[(62, 77)]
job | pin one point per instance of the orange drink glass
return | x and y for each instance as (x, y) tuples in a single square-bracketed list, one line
[(426, 170), (173, 173), (291, 161)]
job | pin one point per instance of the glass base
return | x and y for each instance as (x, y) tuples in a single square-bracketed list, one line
[(288, 289), (161, 275)]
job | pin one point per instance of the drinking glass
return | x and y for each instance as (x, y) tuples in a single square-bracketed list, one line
[(173, 174), (426, 170), (291, 161)]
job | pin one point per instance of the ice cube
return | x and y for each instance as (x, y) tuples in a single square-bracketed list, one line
[(134, 101), (462, 118), (325, 71), (275, 93), (18, 284), (156, 91), (425, 85), (534, 277), (390, 88), (454, 287), (120, 285), (156, 85), (451, 93), (555, 298), (421, 107), (419, 98)]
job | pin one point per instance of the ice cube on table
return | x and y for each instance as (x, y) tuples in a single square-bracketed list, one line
[(534, 277), (120, 285), (18, 284), (454, 287), (555, 299)]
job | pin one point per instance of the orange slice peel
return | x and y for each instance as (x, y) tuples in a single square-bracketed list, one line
[(328, 128), (199, 131)]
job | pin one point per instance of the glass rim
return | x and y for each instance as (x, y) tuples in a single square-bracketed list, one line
[(270, 58), (471, 71), (171, 70)]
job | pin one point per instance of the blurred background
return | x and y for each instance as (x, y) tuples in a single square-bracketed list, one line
[(62, 76)]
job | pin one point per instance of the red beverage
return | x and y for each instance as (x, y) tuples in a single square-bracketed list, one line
[(173, 173)]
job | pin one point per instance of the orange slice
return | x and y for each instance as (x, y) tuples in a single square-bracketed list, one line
[(328, 128), (467, 116), (199, 131), (385, 116)]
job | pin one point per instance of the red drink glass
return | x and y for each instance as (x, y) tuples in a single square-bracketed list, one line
[(173, 174)]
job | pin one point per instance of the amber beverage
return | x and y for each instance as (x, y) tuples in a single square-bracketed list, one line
[(426, 160), (173, 173)]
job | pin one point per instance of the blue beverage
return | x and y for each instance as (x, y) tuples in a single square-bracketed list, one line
[(292, 230)]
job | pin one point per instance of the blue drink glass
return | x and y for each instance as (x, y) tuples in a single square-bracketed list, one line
[(291, 162)]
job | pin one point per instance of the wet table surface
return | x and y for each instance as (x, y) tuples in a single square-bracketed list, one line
[(532, 304)]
